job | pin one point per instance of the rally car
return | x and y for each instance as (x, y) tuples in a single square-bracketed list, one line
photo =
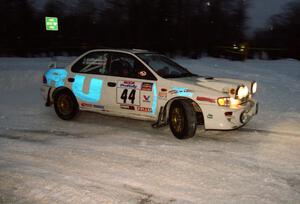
[(144, 85)]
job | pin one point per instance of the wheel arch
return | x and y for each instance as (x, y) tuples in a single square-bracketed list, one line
[(61, 89), (197, 108)]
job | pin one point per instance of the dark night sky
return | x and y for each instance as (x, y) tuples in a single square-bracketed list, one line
[(259, 11)]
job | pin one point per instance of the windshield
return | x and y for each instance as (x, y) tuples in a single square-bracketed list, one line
[(164, 66)]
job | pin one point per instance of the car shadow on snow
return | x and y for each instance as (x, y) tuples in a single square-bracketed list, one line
[(144, 128), (96, 124)]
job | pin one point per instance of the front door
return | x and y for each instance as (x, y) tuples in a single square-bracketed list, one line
[(135, 86)]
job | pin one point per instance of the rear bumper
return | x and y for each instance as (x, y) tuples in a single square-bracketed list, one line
[(229, 119)]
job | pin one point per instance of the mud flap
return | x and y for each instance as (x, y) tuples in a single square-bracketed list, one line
[(161, 122), (48, 101)]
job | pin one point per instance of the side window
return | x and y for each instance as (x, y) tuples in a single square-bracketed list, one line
[(92, 63), (123, 65)]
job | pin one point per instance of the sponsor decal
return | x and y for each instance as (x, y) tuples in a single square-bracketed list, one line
[(143, 109), (147, 86), (142, 73), (129, 85), (86, 105), (127, 107), (210, 100), (162, 95), (181, 92), (146, 99), (173, 92), (99, 107), (210, 116)]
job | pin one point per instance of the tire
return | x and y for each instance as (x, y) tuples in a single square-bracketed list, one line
[(65, 105), (182, 119)]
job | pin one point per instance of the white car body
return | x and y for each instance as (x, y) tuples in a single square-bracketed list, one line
[(152, 97)]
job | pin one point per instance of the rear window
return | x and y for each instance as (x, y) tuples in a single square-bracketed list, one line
[(92, 63)]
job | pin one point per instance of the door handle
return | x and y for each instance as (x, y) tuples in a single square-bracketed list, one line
[(71, 80), (111, 84)]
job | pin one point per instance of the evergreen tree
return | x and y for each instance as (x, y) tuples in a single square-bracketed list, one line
[(283, 32), (19, 26)]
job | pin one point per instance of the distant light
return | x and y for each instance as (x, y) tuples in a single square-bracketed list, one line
[(208, 3)]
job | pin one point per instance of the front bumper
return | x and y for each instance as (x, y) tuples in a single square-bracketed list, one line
[(220, 118)]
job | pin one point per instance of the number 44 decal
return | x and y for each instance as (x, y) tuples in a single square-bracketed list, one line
[(131, 96)]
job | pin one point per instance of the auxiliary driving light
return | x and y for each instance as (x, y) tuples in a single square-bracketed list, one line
[(242, 92), (254, 87)]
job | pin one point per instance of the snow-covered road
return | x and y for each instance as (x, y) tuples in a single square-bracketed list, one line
[(101, 159)]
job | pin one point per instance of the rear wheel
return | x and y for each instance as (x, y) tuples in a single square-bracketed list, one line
[(182, 119), (66, 106)]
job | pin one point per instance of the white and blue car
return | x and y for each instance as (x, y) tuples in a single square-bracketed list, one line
[(145, 85)]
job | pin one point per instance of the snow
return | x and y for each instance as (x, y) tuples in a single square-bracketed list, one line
[(101, 159)]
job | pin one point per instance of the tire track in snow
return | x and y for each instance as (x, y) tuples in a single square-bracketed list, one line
[(268, 132)]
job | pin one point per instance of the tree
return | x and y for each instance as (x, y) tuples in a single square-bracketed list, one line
[(19, 23), (55, 8), (283, 31)]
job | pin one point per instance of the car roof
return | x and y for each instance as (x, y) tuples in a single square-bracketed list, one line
[(132, 51)]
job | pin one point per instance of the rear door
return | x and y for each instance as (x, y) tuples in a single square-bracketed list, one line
[(88, 79)]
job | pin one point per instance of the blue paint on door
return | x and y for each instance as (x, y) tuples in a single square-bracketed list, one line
[(94, 92)]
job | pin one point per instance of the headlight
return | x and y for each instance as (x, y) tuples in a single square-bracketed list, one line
[(254, 87), (229, 102), (242, 92)]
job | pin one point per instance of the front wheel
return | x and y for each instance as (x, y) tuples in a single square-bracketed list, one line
[(182, 119), (66, 106)]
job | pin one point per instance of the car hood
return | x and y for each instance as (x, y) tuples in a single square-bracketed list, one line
[(223, 85)]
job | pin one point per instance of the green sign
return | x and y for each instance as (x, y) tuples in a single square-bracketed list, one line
[(51, 24)]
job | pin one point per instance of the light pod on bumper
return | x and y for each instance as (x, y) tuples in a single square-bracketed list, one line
[(229, 102), (254, 88), (242, 92)]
